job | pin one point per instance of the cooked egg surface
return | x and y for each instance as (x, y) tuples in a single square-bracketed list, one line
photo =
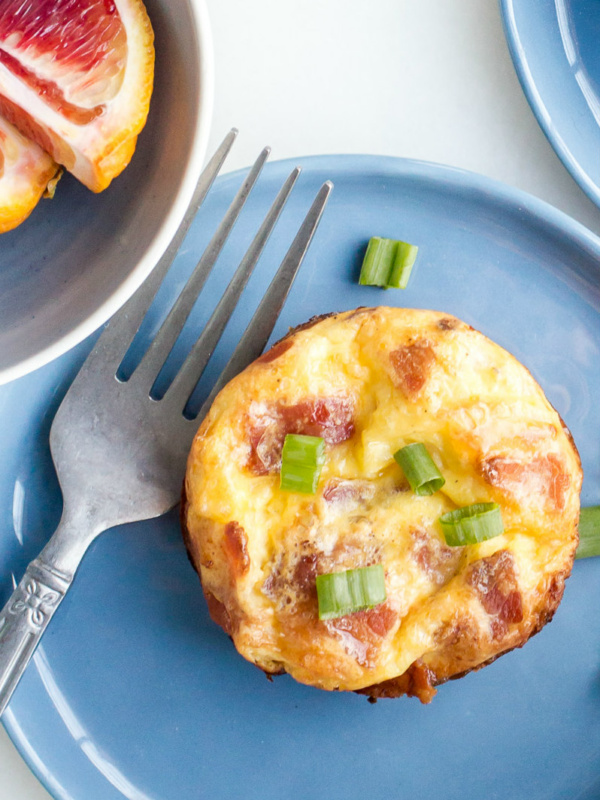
[(369, 382)]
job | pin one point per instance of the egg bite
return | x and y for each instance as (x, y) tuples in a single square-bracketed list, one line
[(369, 382)]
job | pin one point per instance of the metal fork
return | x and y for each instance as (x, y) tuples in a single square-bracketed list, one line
[(119, 454)]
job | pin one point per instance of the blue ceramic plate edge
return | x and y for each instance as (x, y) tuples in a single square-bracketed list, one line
[(517, 53), (510, 196), (358, 164), (29, 756)]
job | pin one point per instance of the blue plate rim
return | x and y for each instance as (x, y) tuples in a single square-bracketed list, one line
[(359, 164), (536, 103)]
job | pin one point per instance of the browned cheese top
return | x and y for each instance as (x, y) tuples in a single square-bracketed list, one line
[(369, 382)]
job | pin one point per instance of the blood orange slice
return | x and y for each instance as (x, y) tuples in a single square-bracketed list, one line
[(76, 76), (25, 170)]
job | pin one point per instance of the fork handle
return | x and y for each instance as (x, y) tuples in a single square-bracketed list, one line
[(23, 620)]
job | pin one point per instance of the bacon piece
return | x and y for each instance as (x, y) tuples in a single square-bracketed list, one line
[(266, 444), (380, 619), (495, 582), (331, 418), (543, 475), (344, 492), (235, 544), (437, 561), (448, 324), (361, 632), (411, 365), (418, 681), (305, 575), (292, 580), (421, 682), (277, 350)]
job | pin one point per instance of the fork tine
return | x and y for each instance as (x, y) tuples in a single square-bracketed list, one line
[(122, 327), (262, 323), (166, 337), (199, 356)]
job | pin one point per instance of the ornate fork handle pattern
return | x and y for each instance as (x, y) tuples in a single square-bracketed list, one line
[(24, 619)]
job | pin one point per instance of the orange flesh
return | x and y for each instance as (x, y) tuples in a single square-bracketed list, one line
[(89, 47)]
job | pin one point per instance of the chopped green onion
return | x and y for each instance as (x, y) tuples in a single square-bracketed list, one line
[(420, 469), (589, 532), (472, 524), (387, 263), (404, 260), (342, 593), (378, 262), (302, 459)]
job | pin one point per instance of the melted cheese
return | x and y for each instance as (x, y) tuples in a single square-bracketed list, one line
[(376, 380)]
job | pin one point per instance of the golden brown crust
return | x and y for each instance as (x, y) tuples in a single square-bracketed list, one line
[(368, 382), (418, 681), (187, 539)]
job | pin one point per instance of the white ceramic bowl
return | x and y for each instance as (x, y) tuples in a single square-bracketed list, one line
[(79, 257)]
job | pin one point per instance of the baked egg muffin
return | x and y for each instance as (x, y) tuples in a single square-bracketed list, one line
[(368, 383)]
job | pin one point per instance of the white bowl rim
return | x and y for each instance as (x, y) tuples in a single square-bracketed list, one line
[(165, 233)]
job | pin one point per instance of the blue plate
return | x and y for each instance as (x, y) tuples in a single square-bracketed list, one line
[(135, 693), (555, 48)]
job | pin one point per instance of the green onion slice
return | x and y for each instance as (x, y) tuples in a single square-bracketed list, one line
[(302, 459), (387, 263), (472, 524), (589, 532), (420, 469), (404, 260), (342, 593)]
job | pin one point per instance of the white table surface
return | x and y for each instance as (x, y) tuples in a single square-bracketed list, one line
[(426, 79)]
